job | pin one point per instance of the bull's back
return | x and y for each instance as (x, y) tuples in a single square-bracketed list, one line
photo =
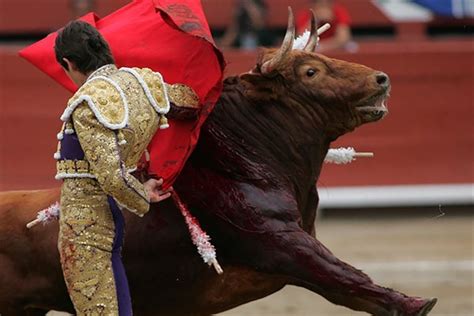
[(29, 261), (17, 208)]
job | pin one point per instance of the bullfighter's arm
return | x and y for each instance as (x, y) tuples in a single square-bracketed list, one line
[(101, 150)]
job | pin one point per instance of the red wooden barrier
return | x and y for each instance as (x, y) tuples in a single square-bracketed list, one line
[(427, 138)]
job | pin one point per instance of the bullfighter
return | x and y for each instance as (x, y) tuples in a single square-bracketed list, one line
[(107, 126)]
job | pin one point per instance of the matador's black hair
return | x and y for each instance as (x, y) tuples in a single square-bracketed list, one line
[(83, 45)]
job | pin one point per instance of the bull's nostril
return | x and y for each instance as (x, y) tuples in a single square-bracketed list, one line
[(382, 79)]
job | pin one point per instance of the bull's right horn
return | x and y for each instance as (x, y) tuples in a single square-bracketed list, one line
[(313, 37), (285, 48)]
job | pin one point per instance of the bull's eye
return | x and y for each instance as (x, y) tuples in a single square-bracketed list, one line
[(311, 72)]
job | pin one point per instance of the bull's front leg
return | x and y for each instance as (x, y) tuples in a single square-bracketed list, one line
[(261, 229), (311, 265)]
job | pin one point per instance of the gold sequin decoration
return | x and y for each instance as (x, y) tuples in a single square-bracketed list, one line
[(106, 98), (163, 122), (182, 95), (143, 120), (86, 236), (155, 85), (104, 155), (73, 167), (86, 225)]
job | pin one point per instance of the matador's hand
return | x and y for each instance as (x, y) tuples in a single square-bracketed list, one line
[(153, 188)]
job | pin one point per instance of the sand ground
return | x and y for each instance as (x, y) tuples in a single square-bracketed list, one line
[(429, 257)]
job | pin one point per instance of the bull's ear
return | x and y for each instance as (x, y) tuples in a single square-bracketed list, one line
[(252, 78), (263, 57), (258, 86), (255, 75)]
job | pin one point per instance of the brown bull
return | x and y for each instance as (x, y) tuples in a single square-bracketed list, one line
[(250, 182)]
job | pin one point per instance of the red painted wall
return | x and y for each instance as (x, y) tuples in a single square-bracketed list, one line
[(427, 137)]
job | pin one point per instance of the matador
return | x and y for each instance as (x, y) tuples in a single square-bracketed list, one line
[(107, 126)]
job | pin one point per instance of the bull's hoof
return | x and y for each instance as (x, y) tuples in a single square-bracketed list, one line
[(427, 307), (424, 310)]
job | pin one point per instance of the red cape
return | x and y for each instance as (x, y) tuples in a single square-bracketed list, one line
[(168, 36)]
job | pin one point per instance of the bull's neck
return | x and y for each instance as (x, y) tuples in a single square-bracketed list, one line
[(268, 143)]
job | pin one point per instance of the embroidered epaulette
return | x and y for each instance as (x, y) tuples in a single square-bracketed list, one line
[(161, 93), (155, 90), (153, 86), (105, 98)]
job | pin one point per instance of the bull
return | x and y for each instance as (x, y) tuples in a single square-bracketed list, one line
[(250, 182)]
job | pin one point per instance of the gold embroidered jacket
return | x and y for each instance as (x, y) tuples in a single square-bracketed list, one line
[(108, 124)]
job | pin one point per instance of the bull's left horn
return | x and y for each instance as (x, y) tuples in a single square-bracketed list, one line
[(313, 37), (285, 48)]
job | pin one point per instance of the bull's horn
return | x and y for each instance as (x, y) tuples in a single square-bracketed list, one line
[(313, 37), (285, 48)]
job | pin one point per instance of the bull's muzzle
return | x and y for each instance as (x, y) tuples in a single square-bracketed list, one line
[(375, 108)]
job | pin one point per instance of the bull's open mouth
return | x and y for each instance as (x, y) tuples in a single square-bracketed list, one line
[(374, 108)]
